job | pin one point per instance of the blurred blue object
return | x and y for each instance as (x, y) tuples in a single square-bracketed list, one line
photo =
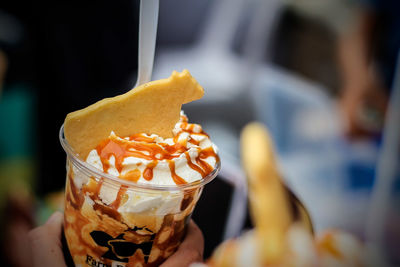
[(361, 175)]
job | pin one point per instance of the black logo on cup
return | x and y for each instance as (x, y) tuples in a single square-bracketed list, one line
[(118, 248)]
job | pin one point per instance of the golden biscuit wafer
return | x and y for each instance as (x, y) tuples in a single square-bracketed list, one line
[(151, 108)]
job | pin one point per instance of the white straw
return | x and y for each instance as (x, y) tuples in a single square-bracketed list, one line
[(147, 39)]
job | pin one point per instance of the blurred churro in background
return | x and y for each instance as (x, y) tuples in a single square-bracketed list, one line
[(277, 240)]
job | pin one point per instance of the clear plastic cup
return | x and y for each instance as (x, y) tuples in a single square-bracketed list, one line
[(112, 222)]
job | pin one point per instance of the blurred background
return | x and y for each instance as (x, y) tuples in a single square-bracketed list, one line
[(319, 73)]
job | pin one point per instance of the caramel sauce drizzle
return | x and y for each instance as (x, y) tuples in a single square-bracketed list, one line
[(177, 179), (146, 147), (118, 199), (148, 172), (93, 188), (194, 166)]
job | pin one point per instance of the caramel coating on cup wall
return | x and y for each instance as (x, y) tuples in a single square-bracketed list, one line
[(96, 232)]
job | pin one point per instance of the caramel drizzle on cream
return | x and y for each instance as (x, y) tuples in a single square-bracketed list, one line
[(145, 147)]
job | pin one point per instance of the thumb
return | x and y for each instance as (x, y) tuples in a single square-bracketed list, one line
[(45, 243)]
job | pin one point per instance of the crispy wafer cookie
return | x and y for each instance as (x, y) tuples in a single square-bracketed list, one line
[(151, 108)]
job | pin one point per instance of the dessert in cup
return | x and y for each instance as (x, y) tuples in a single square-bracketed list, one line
[(136, 168)]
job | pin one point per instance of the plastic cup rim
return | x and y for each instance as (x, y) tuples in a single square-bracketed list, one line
[(92, 171)]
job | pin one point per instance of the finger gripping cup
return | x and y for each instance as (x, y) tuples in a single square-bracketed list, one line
[(112, 222)]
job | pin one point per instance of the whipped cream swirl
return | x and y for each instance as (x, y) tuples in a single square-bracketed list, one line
[(187, 157)]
